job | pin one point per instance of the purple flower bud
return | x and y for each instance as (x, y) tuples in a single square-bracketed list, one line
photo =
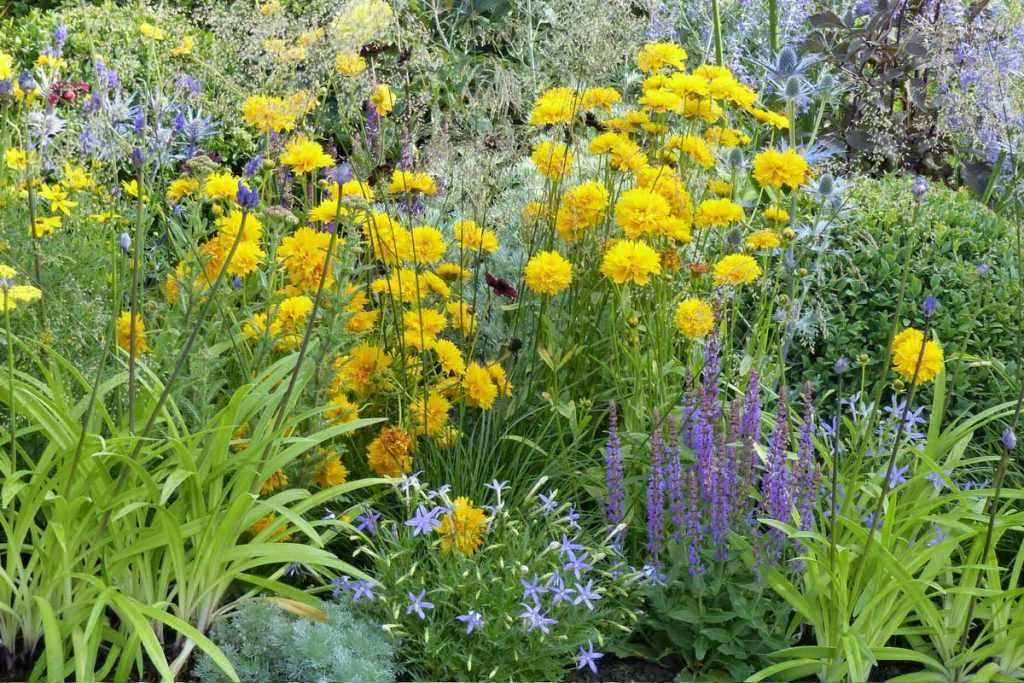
[(984, 269), (342, 173), (60, 35), (920, 187), (125, 242), (1009, 439), (26, 82), (842, 365), (929, 306), (252, 166), (137, 157), (140, 123), (5, 88), (247, 199), (236, 282)]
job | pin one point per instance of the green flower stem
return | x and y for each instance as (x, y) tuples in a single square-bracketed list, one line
[(10, 377), (133, 307), (773, 26), (716, 19)]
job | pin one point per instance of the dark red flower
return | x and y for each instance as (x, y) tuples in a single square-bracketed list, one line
[(501, 286)]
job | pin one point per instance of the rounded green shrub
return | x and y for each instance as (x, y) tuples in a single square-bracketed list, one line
[(266, 643), (959, 251)]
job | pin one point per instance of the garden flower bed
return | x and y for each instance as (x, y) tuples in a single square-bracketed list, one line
[(375, 341)]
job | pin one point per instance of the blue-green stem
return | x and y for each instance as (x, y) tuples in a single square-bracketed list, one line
[(716, 19)]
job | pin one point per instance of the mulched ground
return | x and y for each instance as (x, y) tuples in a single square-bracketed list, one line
[(611, 668)]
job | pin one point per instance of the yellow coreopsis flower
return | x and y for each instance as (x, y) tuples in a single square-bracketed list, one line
[(303, 255), (763, 239), (553, 160), (184, 47), (124, 333), (15, 159), (267, 113), (462, 529), (76, 177), (6, 66), (548, 272), (718, 212), (630, 262), (640, 211), (11, 294), (184, 187), (361, 367), (474, 238), (773, 168), (389, 455), (428, 245), (277, 480), (557, 105), (656, 56), (736, 269), (331, 472), (383, 99), (410, 181), (450, 358), (599, 98), (582, 207), (152, 32), (430, 413), (57, 198), (221, 186), (349, 64), (694, 318), (304, 155), (694, 147), (479, 387), (46, 225), (907, 349), (776, 214)]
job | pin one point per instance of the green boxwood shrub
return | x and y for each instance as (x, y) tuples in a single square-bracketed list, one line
[(266, 643), (964, 255)]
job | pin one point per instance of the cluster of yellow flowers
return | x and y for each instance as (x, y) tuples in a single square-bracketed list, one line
[(417, 294), (654, 173), (60, 197), (12, 294), (268, 113)]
